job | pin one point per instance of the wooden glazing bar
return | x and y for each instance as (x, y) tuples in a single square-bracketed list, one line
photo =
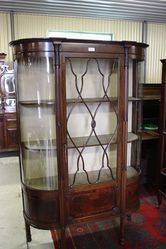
[(60, 132), (123, 102)]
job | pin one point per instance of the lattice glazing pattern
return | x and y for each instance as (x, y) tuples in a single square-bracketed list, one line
[(96, 79)]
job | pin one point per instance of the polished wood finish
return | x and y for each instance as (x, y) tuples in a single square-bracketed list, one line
[(41, 208), (8, 124), (151, 91), (149, 135), (8, 133), (162, 141), (56, 209)]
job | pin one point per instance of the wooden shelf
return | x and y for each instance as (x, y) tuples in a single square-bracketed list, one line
[(151, 91), (149, 135), (151, 97), (150, 118), (79, 142)]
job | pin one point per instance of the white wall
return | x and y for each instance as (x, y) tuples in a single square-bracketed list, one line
[(31, 25), (156, 38)]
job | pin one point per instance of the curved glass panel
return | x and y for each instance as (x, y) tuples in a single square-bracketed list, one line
[(36, 92), (36, 78)]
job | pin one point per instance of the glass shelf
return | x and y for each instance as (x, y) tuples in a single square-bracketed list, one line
[(151, 97), (37, 103), (72, 101), (39, 145), (104, 139), (43, 183), (91, 100), (105, 176), (40, 182), (79, 142)]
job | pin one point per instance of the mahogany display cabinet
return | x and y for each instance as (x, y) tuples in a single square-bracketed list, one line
[(79, 116), (162, 139)]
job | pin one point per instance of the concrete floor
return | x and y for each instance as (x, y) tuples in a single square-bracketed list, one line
[(12, 232)]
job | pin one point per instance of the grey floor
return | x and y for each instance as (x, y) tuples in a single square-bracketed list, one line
[(12, 232)]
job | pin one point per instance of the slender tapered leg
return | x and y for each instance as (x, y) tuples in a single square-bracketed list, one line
[(63, 238), (128, 217), (159, 198), (28, 232), (122, 230), (55, 237)]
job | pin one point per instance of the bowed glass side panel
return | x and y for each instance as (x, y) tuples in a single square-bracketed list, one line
[(92, 119), (135, 80), (36, 78), (36, 102)]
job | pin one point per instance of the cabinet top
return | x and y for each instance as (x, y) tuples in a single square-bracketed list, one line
[(136, 49), (163, 61), (62, 40)]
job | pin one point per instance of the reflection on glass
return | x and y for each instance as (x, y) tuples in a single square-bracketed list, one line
[(36, 79), (7, 83), (36, 87), (40, 167), (39, 146)]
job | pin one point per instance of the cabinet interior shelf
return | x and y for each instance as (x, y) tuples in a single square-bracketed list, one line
[(148, 135), (81, 178), (72, 101), (78, 141), (37, 103), (91, 100), (150, 118), (151, 97)]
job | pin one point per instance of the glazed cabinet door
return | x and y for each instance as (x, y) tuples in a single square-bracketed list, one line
[(102, 123), (93, 132)]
